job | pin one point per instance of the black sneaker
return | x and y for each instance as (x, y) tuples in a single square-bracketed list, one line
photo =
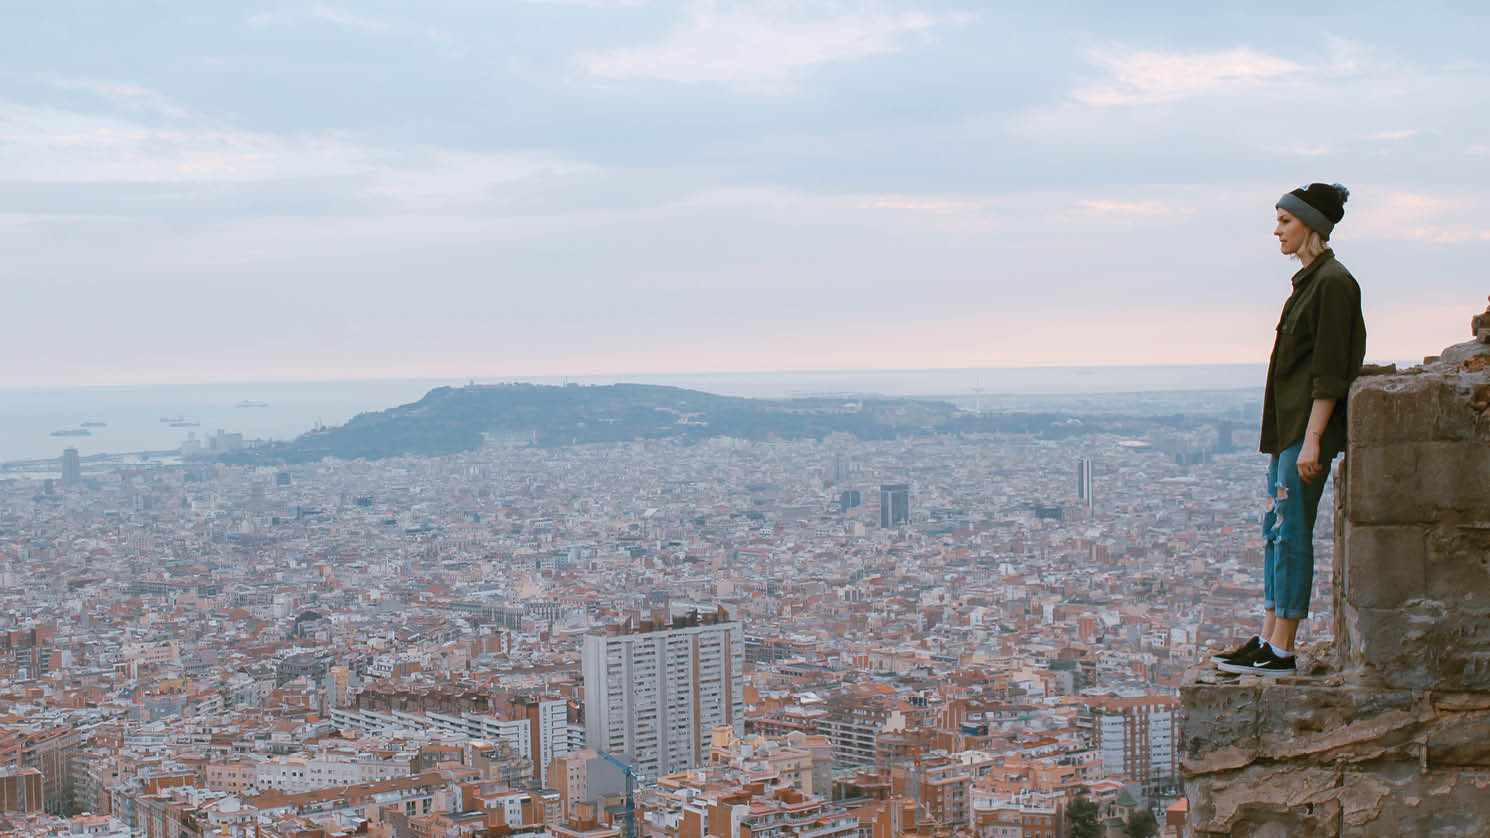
[(1264, 663), (1240, 654)]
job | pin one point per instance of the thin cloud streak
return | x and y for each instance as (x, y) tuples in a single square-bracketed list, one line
[(1145, 77), (747, 47)]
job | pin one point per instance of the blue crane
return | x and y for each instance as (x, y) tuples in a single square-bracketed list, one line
[(630, 774)]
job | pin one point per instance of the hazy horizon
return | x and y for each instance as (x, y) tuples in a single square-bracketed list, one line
[(134, 415), (627, 376)]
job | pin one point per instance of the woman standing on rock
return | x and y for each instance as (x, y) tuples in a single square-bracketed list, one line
[(1318, 350)]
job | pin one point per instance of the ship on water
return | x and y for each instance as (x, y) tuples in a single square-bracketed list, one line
[(94, 424), (247, 403), (169, 419), (73, 432), (186, 424)]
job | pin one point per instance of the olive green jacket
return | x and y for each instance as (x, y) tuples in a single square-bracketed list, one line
[(1318, 351)]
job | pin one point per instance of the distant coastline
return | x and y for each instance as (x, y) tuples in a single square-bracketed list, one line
[(129, 418)]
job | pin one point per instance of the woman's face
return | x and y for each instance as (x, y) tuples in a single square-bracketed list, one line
[(1291, 233)]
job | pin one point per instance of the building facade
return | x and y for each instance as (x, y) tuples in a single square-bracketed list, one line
[(652, 697), (1137, 738), (895, 505)]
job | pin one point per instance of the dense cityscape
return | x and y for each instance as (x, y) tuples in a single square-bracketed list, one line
[(933, 635)]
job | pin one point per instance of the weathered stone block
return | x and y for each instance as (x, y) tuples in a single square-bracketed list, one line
[(1460, 702), (1397, 408), (1383, 567), (1266, 800), (1401, 646), (1418, 481), (1467, 669), (1218, 729), (1460, 739), (1339, 724), (1403, 800), (1428, 406), (1422, 646), (1457, 567)]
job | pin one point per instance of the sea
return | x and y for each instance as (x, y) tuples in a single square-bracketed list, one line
[(159, 418)]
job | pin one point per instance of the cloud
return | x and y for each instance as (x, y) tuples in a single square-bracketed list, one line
[(122, 94), (1393, 136), (442, 178), (1148, 77), (1424, 217), (267, 19), (599, 4), (48, 145), (1107, 207), (323, 12), (51, 145), (933, 205), (746, 47), (21, 222), (350, 20)]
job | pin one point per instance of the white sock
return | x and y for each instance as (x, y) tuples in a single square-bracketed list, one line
[(1279, 652)]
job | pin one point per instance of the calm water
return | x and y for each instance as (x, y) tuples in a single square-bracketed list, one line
[(132, 415)]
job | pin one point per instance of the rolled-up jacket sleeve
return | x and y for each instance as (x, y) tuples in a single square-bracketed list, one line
[(1332, 366)]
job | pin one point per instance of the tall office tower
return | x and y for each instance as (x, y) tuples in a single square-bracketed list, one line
[(1223, 435), (653, 696), (848, 499), (72, 467), (840, 468), (1084, 481), (895, 505)]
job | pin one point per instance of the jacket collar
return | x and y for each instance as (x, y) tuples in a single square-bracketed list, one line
[(1308, 270)]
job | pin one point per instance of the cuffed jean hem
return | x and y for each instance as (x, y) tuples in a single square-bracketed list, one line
[(1287, 613)]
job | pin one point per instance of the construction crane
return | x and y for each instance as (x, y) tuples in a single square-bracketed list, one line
[(630, 811)]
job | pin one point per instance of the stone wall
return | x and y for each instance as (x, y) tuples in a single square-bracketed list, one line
[(1387, 732)]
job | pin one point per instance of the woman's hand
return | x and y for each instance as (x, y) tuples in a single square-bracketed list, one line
[(1309, 468)]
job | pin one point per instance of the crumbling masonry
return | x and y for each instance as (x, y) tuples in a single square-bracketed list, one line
[(1387, 732)]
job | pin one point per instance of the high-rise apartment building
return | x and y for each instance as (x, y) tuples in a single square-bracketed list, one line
[(895, 505), (72, 467), (1137, 737), (653, 695), (1084, 481)]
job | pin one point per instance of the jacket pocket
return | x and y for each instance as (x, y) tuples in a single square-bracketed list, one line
[(1295, 343)]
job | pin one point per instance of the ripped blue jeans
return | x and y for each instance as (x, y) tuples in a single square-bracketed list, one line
[(1288, 535)]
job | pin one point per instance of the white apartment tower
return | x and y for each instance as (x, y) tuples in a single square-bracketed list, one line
[(653, 696), (1138, 737)]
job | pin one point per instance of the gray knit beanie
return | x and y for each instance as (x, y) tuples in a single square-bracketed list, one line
[(1319, 205)]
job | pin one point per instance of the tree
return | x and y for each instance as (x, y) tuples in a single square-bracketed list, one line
[(1082, 815), (1141, 825)]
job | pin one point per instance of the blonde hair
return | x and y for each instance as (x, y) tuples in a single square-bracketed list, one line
[(1311, 248)]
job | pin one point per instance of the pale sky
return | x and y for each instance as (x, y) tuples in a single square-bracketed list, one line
[(293, 190)]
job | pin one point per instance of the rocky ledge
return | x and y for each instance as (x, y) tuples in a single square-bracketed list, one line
[(1306, 756), (1387, 731)]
